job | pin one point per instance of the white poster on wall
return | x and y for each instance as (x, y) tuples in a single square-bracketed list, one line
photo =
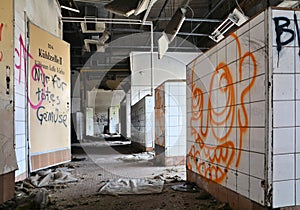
[(48, 99)]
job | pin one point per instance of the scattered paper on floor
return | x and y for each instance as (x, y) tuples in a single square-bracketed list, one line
[(132, 186), (138, 157)]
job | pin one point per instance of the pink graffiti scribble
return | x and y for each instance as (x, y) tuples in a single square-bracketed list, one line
[(22, 54), (37, 66)]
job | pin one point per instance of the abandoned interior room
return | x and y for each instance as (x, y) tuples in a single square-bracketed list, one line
[(150, 104)]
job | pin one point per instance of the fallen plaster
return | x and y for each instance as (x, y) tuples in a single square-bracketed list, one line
[(132, 186), (145, 156), (51, 177)]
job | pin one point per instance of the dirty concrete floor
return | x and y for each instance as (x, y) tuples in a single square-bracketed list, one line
[(101, 163)]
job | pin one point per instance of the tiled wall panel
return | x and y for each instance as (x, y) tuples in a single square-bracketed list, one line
[(170, 117), (142, 116), (243, 110), (20, 98), (47, 19), (286, 109), (226, 106)]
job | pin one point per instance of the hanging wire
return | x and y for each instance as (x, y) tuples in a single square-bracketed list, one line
[(187, 3), (206, 16), (239, 7), (193, 14)]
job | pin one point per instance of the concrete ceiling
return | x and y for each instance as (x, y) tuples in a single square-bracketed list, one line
[(202, 16)]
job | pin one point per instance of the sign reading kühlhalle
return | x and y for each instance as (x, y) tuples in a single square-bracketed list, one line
[(48, 99)]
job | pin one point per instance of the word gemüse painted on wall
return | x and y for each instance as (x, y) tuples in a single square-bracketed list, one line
[(211, 148), (281, 28), (51, 116)]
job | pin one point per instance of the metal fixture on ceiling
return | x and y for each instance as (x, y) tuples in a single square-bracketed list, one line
[(130, 7), (122, 7), (289, 4), (87, 27), (234, 18), (98, 41), (171, 31)]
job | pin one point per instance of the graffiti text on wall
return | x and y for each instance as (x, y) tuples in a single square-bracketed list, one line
[(46, 86), (282, 27), (214, 159), (46, 93)]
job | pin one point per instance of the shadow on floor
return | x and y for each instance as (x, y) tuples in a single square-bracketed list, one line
[(99, 145)]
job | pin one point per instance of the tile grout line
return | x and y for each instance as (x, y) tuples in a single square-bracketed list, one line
[(295, 134)]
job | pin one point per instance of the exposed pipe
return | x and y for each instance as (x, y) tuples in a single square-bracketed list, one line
[(192, 20), (191, 34), (118, 30), (187, 3), (206, 16), (106, 20)]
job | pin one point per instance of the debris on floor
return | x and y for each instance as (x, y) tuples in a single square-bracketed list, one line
[(117, 143), (169, 179), (52, 177), (110, 135), (174, 174), (144, 156), (132, 186), (186, 187), (27, 197), (77, 159), (42, 198)]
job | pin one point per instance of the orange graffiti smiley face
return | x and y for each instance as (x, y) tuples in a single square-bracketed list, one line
[(219, 119)]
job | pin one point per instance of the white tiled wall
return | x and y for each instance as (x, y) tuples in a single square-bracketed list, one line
[(226, 127), (283, 193), (171, 66), (174, 125), (256, 192), (247, 146), (142, 116), (285, 114), (20, 96), (46, 18)]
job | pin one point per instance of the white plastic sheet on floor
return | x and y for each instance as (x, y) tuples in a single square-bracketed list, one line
[(138, 157), (132, 186)]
